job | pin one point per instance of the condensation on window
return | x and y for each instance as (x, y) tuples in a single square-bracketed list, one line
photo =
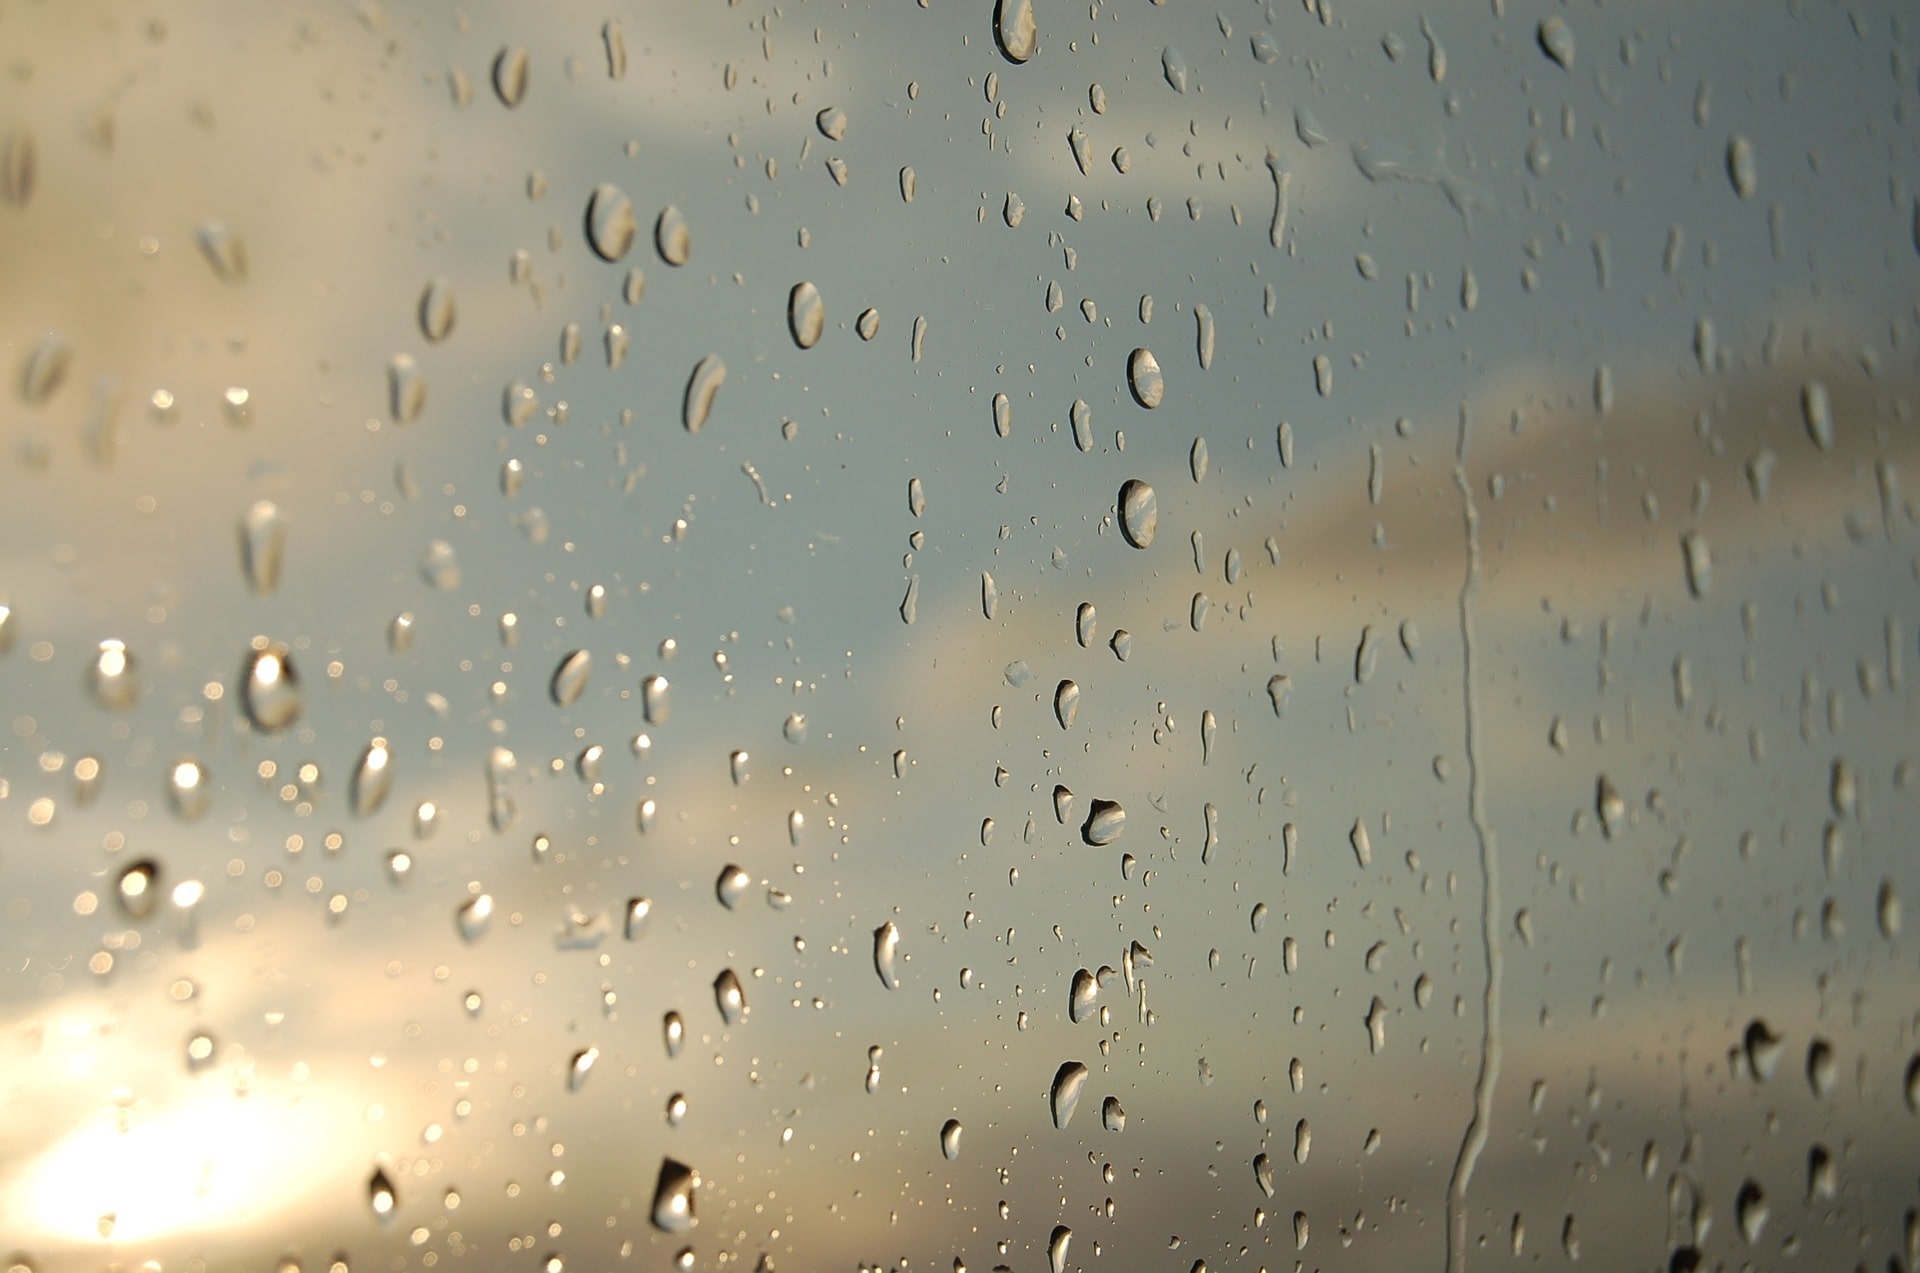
[(984, 634)]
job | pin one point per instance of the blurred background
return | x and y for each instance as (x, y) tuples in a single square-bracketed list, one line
[(958, 636)]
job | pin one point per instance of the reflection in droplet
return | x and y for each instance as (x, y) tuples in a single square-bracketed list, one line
[(138, 888), (611, 227), (673, 1030), (380, 1195), (1064, 1096), (580, 1066), (372, 779), (1106, 819), (730, 996), (474, 916), (806, 315), (1112, 1117), (886, 953), (114, 677), (673, 1197), (570, 678), (1082, 997), (671, 236), (1014, 29), (270, 688), (732, 886), (1139, 512), (1144, 379), (708, 375)]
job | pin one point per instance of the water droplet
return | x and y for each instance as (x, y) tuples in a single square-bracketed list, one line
[(737, 767), (1266, 50), (708, 375), (1263, 1173), (730, 996), (1750, 1210), (616, 42), (1082, 417), (732, 886), (1083, 997), (1173, 65), (1014, 211), (639, 911), (1817, 410), (671, 237), (1064, 1097), (225, 251), (1556, 40), (676, 1110), (570, 678), (1139, 512), (1209, 726), (580, 1066), (380, 1195), (474, 916), (910, 604), (1376, 1022), (1741, 168), (1121, 644), (1823, 1068), (1144, 379), (611, 227), (1105, 821), (138, 888), (1057, 1248), (510, 76), (1203, 321), (1308, 129), (867, 324), (1062, 805), (1084, 624), (673, 1030), (1112, 1117), (406, 389), (270, 688), (950, 1139), (1362, 846), (806, 315), (1697, 557), (1610, 806), (440, 567), (1762, 1047), (114, 677), (654, 701), (916, 496), (1887, 909), (886, 950), (45, 368), (918, 341), (1002, 415), (1066, 703), (673, 1197), (18, 162), (437, 310), (372, 779), (832, 123), (1014, 29)]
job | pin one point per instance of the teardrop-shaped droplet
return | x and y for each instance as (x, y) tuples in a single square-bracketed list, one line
[(639, 911), (1279, 692), (886, 952), (1556, 40), (225, 251), (1816, 408), (950, 1139), (1209, 726), (1750, 1211), (437, 310), (138, 888), (1062, 805), (510, 76), (730, 997), (1105, 821), (1173, 66), (1014, 29), (1057, 1245), (19, 161), (1112, 1117), (263, 541), (372, 779), (1064, 1097), (673, 1031), (1144, 379), (1823, 1068), (989, 595), (114, 676), (654, 702), (832, 123), (1742, 170), (580, 1066), (1083, 997), (1066, 703), (381, 1196), (1080, 416), (732, 886), (1139, 512), (270, 688), (611, 227), (570, 678), (1263, 1173), (806, 315), (474, 917), (45, 368), (708, 375), (671, 237), (673, 1197)]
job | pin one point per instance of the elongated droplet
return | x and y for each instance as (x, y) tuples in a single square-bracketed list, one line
[(886, 951), (1082, 996), (673, 1197), (1376, 1025), (1144, 379), (570, 678), (910, 604), (616, 42), (1362, 845), (114, 676), (611, 227), (45, 368), (580, 1066), (263, 541), (1085, 624), (224, 250), (19, 161), (639, 911), (270, 688), (1556, 41), (1139, 512), (708, 375), (1173, 65), (806, 315), (654, 702), (950, 1139), (138, 888), (1105, 821), (381, 1196), (671, 236), (372, 779), (1762, 1047), (1816, 408), (673, 1031), (1112, 1117), (730, 997), (1002, 415), (1064, 1097), (1750, 1211), (1081, 416), (1698, 559), (867, 324), (1062, 805), (437, 310), (1742, 170), (510, 76), (1014, 29), (474, 917), (1057, 1248), (1066, 703), (989, 595)]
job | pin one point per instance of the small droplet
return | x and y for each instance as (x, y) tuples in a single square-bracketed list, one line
[(1144, 379), (730, 997), (1762, 1047), (867, 324), (45, 368), (950, 1139), (1750, 1211), (372, 779), (1741, 168), (1066, 703), (806, 315), (639, 911), (886, 951), (1064, 1097), (18, 164), (510, 76), (1817, 410), (570, 678), (1106, 819), (611, 227), (1203, 321), (1697, 557), (1610, 806), (1823, 1068), (1112, 1117), (708, 375), (671, 237), (673, 1197), (1121, 643), (1014, 29), (1139, 513), (1209, 727), (270, 688), (437, 311), (440, 567), (263, 540), (114, 677), (673, 1030), (580, 1066)]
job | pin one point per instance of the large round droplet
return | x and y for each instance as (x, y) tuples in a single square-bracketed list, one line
[(1106, 819), (1143, 378), (806, 315), (708, 375), (671, 237), (610, 224), (1139, 512), (270, 688), (1015, 30), (673, 1197), (570, 678), (1064, 1097)]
